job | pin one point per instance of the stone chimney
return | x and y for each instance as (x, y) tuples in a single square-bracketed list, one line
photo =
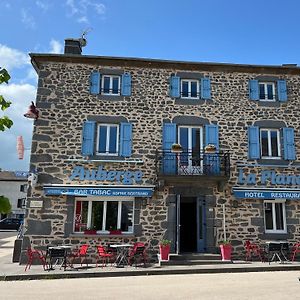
[(73, 46)]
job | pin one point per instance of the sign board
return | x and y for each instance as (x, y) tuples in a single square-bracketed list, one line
[(36, 204), (266, 194)]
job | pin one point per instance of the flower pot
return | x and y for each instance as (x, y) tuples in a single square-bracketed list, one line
[(226, 252), (115, 232), (90, 231), (164, 252), (176, 148)]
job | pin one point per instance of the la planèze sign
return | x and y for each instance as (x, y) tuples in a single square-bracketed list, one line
[(100, 174), (268, 177)]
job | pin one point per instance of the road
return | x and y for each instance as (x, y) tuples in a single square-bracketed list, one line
[(275, 285)]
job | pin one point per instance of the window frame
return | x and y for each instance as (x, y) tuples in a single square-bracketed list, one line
[(273, 202), (105, 200), (266, 83), (270, 143), (189, 88), (111, 77), (108, 125)]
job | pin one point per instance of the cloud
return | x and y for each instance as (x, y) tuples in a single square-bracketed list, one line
[(56, 47), (11, 58), (82, 8), (42, 4), (27, 19), (20, 95)]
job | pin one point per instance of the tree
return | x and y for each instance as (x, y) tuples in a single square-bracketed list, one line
[(5, 206), (5, 122)]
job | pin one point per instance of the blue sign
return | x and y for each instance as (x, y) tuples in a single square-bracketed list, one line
[(266, 194), (101, 191), (100, 174)]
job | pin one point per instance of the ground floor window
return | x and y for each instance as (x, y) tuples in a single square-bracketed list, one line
[(275, 217), (104, 215)]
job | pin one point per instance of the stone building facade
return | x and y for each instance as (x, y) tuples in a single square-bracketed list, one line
[(102, 148)]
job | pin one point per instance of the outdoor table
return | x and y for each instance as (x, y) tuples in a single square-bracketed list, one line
[(277, 249), (122, 254), (59, 253)]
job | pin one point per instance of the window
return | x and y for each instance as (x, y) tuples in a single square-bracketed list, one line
[(267, 91), (108, 139), (270, 143), (190, 89), (21, 203), (104, 215), (23, 188), (110, 85), (275, 218)]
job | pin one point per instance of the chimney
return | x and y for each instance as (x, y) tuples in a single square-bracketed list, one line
[(73, 46)]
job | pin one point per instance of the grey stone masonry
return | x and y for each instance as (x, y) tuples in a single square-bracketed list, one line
[(64, 102)]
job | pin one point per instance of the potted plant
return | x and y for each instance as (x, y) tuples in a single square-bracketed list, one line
[(176, 148), (210, 148), (226, 250), (90, 230), (164, 249), (115, 231)]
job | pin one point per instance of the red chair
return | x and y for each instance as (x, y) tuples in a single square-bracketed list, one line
[(35, 254), (252, 250), (294, 251), (79, 253), (138, 254), (104, 256)]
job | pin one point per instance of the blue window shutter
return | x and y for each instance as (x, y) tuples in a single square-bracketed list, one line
[(175, 86), (212, 161), (126, 84), (205, 88), (253, 142), (95, 83), (288, 143), (169, 138), (88, 137), (253, 90), (212, 135), (126, 139), (282, 91)]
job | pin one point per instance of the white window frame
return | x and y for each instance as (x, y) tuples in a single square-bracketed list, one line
[(107, 139), (274, 216), (189, 81), (111, 77), (265, 84), (90, 201), (269, 143)]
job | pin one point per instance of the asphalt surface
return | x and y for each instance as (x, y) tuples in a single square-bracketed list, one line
[(6, 234)]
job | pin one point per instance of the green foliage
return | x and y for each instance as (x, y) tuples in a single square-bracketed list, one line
[(5, 206), (225, 242), (165, 242), (5, 122)]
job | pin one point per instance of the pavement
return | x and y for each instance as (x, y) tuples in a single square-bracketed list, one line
[(13, 271)]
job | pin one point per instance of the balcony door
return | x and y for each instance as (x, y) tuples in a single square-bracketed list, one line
[(191, 139)]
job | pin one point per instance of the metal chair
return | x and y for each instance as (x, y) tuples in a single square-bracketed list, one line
[(138, 254), (295, 249), (253, 250), (79, 253), (35, 254), (104, 256)]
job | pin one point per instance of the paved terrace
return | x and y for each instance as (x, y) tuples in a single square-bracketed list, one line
[(13, 271)]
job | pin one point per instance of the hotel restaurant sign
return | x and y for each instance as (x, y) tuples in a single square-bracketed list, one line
[(265, 185)]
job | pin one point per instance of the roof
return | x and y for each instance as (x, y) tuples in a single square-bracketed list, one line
[(37, 59), (13, 176)]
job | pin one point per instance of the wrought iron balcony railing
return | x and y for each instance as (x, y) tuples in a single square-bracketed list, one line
[(188, 163)]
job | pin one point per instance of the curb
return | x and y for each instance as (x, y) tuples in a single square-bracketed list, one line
[(146, 273)]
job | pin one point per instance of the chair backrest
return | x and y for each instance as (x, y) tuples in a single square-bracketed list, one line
[(248, 245), (138, 244), (140, 250), (101, 250), (83, 249)]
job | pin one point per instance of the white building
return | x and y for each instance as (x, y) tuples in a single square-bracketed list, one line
[(13, 185)]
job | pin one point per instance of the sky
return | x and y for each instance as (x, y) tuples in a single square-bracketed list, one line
[(234, 31)]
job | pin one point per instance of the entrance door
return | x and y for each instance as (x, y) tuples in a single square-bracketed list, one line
[(191, 227)]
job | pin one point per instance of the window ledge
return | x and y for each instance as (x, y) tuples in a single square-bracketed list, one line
[(110, 160), (188, 101), (275, 236), (110, 97), (124, 235)]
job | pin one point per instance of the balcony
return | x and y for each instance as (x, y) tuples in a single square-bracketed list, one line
[(193, 165)]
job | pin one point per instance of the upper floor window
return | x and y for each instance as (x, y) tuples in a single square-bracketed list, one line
[(275, 218), (108, 139), (186, 88), (190, 89), (110, 85), (270, 143), (267, 91)]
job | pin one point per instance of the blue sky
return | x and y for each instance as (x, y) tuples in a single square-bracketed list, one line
[(235, 31)]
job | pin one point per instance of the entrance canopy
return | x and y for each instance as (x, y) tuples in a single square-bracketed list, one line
[(99, 190)]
